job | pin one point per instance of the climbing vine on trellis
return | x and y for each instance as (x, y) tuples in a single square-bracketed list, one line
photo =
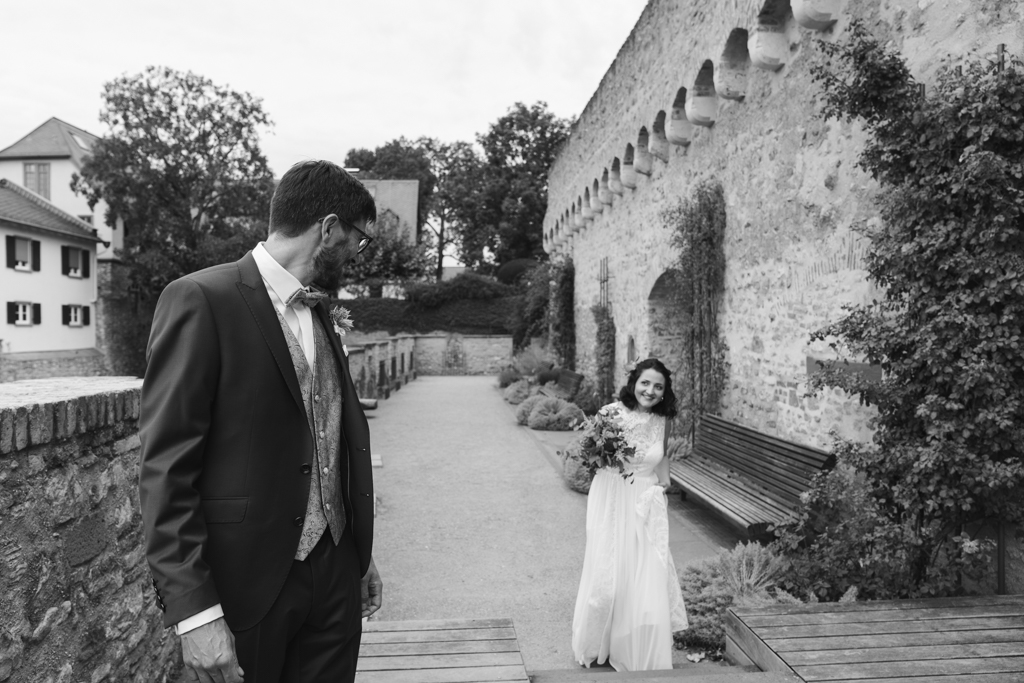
[(562, 313), (604, 351), (699, 232)]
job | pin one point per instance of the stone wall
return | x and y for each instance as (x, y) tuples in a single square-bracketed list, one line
[(795, 197), (76, 600), (458, 354), (42, 364), (380, 366)]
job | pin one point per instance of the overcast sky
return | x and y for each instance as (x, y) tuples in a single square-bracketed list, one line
[(333, 74)]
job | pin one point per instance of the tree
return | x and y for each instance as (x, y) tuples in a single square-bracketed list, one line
[(519, 149), (182, 166), (392, 257), (948, 452), (457, 166)]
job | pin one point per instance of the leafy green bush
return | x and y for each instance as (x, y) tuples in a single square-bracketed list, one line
[(395, 316), (517, 392), (746, 575), (586, 397), (459, 288), (508, 376), (554, 415), (531, 360), (530, 318), (604, 352), (526, 407), (948, 451), (842, 539)]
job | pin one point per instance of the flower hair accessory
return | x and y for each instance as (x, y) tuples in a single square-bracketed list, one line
[(342, 320)]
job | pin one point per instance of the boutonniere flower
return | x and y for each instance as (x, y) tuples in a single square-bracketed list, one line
[(342, 320)]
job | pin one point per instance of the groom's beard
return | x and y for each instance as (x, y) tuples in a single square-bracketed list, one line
[(328, 269)]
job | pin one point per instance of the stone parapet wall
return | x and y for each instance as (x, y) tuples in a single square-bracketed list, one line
[(380, 366), (76, 599), (458, 354), (43, 364)]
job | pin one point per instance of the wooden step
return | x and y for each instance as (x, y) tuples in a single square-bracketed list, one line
[(695, 674)]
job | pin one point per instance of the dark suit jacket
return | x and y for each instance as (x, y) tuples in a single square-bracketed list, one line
[(226, 448)]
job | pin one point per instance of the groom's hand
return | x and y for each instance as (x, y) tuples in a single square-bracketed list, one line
[(372, 589), (209, 654)]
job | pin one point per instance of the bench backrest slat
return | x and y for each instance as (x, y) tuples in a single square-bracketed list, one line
[(569, 382), (779, 468)]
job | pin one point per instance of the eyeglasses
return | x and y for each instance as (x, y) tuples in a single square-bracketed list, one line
[(364, 239)]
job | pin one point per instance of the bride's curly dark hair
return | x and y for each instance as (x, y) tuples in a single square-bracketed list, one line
[(627, 395)]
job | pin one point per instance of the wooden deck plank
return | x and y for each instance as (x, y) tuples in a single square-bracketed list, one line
[(465, 675), (873, 605), (931, 668), (439, 636), (951, 640), (442, 661), (870, 627), (754, 648), (965, 678), (898, 654), (781, 645), (455, 647), (890, 615), (434, 625)]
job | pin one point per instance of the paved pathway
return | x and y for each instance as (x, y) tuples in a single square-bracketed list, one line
[(473, 518)]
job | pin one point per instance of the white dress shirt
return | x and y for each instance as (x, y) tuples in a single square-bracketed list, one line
[(280, 286)]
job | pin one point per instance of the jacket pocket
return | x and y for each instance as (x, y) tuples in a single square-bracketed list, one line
[(224, 510)]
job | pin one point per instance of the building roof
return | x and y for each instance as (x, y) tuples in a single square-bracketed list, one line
[(55, 139), (26, 208)]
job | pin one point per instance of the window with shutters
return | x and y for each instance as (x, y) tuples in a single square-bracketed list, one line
[(22, 313), (74, 316), (75, 262), (37, 178), (22, 254)]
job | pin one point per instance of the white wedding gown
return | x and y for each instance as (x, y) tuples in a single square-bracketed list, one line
[(629, 603)]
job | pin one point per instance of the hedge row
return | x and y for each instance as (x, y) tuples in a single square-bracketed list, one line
[(466, 316)]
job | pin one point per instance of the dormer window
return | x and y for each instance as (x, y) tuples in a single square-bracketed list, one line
[(37, 179), (80, 141)]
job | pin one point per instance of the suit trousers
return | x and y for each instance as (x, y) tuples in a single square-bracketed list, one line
[(312, 631)]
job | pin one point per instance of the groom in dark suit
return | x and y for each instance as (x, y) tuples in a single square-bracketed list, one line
[(255, 483)]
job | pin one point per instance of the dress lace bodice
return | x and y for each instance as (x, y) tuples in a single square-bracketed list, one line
[(645, 432)]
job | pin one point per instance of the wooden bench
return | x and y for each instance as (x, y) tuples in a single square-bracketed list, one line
[(440, 651), (753, 479), (567, 386)]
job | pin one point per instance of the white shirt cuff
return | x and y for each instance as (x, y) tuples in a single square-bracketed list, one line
[(196, 620)]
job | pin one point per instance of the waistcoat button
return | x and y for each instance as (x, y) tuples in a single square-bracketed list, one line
[(298, 521), (306, 468)]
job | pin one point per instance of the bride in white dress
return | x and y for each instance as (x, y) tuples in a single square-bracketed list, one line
[(629, 603)]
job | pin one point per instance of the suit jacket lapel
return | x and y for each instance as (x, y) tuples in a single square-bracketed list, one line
[(251, 287)]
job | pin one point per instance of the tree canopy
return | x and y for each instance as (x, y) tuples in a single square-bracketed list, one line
[(392, 257), (518, 149), (182, 165)]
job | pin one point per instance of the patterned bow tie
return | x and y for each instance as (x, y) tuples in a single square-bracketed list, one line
[(306, 295)]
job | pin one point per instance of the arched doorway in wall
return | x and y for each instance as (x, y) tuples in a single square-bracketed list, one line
[(666, 321)]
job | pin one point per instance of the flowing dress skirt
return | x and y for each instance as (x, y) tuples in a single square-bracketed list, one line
[(629, 602)]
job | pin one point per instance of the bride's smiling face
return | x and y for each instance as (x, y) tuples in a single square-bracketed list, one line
[(649, 390)]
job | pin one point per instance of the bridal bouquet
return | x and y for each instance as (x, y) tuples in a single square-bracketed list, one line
[(602, 444)]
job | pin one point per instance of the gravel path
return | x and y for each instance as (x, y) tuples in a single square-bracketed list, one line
[(474, 521)]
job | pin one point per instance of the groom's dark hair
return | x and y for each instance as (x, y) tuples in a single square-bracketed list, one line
[(311, 190)]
